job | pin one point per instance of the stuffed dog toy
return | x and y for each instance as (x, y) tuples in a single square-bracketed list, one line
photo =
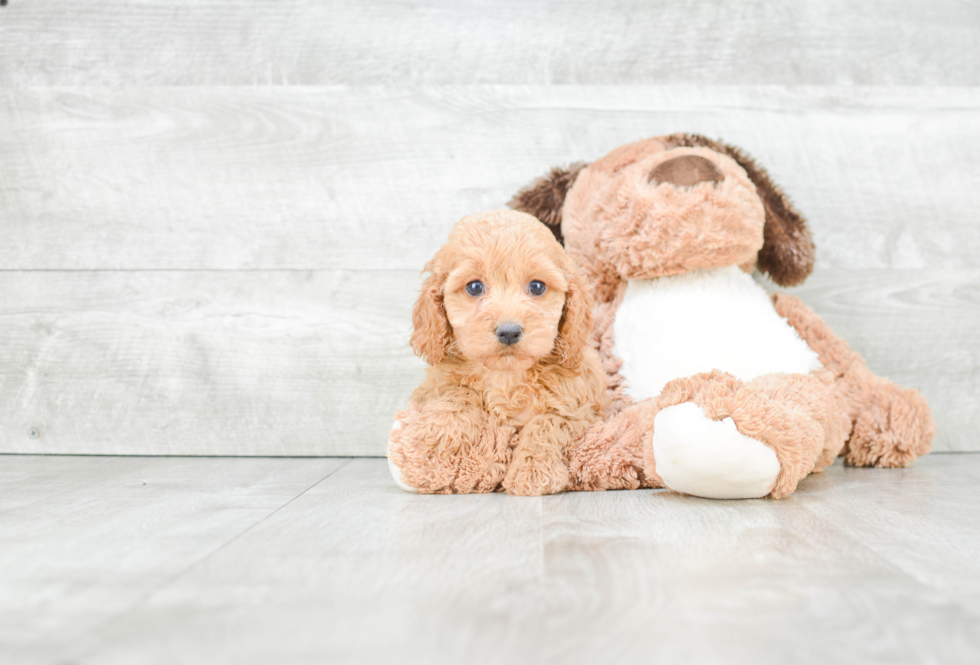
[(716, 389), (504, 321)]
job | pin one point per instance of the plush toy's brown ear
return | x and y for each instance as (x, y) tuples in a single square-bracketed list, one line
[(575, 326), (433, 334), (787, 252), (545, 197)]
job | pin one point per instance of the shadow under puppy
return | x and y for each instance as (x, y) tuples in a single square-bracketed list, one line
[(504, 322)]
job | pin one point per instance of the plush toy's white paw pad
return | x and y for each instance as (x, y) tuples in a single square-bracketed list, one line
[(710, 458), (396, 473)]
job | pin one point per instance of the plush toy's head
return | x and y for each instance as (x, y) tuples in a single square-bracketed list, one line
[(502, 292), (669, 205)]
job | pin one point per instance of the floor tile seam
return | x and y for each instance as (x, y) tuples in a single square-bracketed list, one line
[(91, 645)]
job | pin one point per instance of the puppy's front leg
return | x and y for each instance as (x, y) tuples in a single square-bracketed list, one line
[(539, 465), (449, 444)]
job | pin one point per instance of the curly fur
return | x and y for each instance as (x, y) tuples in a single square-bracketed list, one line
[(490, 416), (545, 197), (432, 334), (611, 456)]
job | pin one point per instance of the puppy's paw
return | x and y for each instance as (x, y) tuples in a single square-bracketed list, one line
[(484, 465), (423, 459), (393, 467), (531, 476)]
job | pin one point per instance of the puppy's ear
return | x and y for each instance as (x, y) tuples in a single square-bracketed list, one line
[(433, 334), (788, 251), (545, 197), (575, 327)]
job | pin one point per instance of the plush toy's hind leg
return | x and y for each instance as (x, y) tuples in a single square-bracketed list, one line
[(610, 457), (891, 425), (718, 437)]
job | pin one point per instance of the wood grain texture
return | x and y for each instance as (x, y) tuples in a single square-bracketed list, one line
[(306, 42), (858, 566), (85, 540), (328, 178), (214, 213), (204, 363), (317, 362), (356, 572)]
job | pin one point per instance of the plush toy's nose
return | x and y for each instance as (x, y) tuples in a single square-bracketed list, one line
[(686, 171), (509, 333)]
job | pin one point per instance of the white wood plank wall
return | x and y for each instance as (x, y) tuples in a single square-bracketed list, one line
[(213, 214)]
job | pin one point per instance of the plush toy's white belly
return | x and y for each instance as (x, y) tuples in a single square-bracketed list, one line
[(672, 327)]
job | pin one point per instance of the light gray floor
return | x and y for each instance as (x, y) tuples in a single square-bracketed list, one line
[(186, 560)]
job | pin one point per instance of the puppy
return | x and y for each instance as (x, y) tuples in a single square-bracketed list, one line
[(504, 321)]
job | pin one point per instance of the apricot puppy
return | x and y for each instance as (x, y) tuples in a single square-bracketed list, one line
[(504, 321)]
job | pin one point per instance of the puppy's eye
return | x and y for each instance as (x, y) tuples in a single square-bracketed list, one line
[(475, 288), (536, 287)]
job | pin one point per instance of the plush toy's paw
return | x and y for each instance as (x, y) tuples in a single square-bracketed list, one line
[(534, 476), (710, 458), (611, 455), (895, 430), (394, 469)]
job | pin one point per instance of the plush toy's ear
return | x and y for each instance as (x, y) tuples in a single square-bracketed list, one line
[(787, 252), (433, 334), (575, 326), (545, 197)]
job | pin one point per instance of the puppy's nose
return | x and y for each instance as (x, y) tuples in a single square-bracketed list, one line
[(509, 333)]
